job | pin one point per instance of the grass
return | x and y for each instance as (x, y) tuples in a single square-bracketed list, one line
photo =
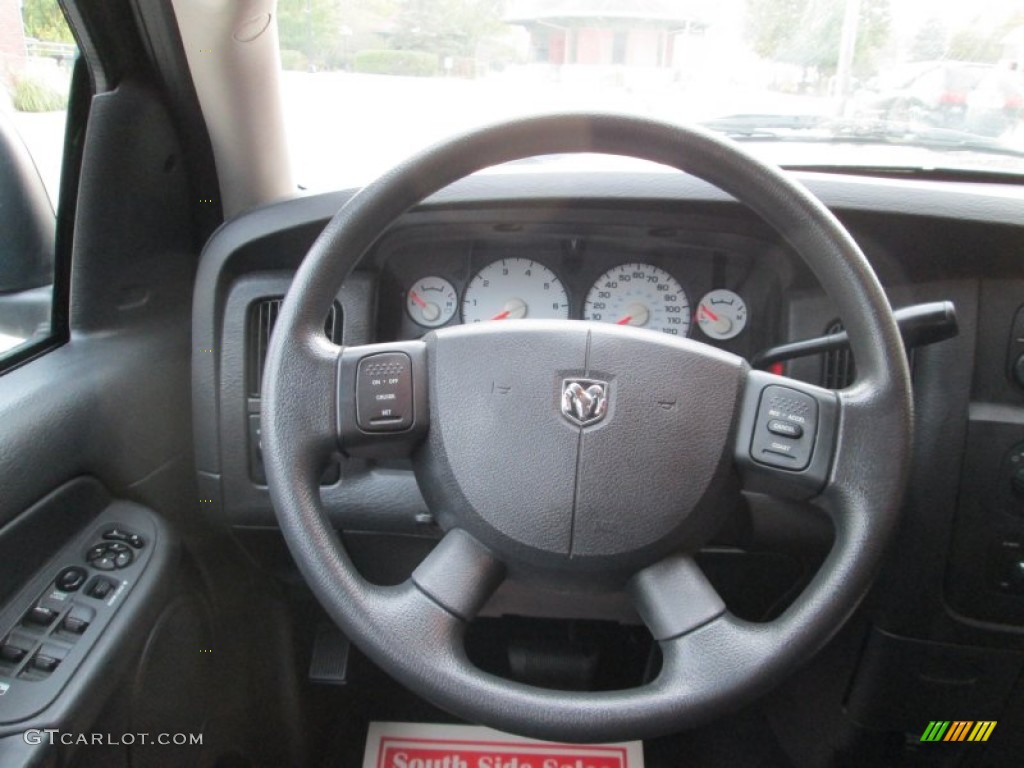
[(32, 95)]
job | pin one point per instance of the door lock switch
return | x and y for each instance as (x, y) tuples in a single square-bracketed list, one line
[(100, 588)]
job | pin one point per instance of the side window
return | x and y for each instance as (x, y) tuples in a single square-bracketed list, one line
[(37, 52)]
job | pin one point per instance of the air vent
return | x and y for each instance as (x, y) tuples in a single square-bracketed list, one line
[(837, 371), (262, 317)]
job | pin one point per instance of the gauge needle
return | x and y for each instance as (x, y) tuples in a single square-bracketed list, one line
[(502, 315), (709, 313), (416, 297), (625, 321)]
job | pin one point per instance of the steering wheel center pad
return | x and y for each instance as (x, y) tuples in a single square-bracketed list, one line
[(605, 482)]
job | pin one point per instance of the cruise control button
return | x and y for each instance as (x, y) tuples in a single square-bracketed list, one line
[(384, 392), (785, 428)]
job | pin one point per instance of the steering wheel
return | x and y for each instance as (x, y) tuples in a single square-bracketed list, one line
[(615, 445)]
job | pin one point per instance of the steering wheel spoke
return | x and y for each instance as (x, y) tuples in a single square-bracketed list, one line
[(459, 574), (382, 398), (785, 438), (674, 597)]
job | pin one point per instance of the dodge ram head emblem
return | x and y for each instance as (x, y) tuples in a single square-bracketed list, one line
[(584, 401)]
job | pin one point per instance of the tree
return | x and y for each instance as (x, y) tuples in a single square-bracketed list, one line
[(929, 42), (45, 21), (807, 32), (771, 24), (310, 26), (446, 27), (982, 40)]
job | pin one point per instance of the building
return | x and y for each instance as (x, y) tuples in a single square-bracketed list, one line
[(601, 33), (13, 52)]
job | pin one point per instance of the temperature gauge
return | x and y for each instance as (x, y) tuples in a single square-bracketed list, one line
[(432, 301), (722, 314)]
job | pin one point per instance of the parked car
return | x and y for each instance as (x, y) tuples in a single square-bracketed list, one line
[(995, 106), (934, 93)]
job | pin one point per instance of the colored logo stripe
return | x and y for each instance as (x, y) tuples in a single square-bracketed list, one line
[(935, 731), (982, 730), (958, 730)]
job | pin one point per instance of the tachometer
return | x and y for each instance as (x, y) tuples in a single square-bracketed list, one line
[(641, 295), (512, 289)]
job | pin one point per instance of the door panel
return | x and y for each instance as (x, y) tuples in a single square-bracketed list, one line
[(95, 435)]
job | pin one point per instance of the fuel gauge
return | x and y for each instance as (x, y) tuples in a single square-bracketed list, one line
[(722, 314), (432, 301)]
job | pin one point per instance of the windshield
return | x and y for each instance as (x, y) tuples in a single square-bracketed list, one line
[(886, 84)]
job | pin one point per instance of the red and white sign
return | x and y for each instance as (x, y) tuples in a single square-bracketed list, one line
[(420, 745)]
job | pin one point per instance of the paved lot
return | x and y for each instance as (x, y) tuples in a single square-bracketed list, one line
[(346, 129)]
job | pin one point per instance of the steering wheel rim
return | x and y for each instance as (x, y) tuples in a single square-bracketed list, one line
[(712, 661)]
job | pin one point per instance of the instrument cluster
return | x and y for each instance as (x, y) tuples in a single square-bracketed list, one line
[(636, 294), (697, 292)]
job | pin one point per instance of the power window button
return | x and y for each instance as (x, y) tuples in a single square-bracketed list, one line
[(48, 657), (41, 616), (12, 653), (78, 619)]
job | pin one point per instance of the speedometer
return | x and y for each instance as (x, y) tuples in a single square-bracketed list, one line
[(512, 289), (641, 295)]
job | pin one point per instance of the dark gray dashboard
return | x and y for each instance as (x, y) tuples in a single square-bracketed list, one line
[(928, 240)]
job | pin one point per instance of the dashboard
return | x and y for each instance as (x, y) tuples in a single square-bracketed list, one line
[(633, 248), (671, 254)]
